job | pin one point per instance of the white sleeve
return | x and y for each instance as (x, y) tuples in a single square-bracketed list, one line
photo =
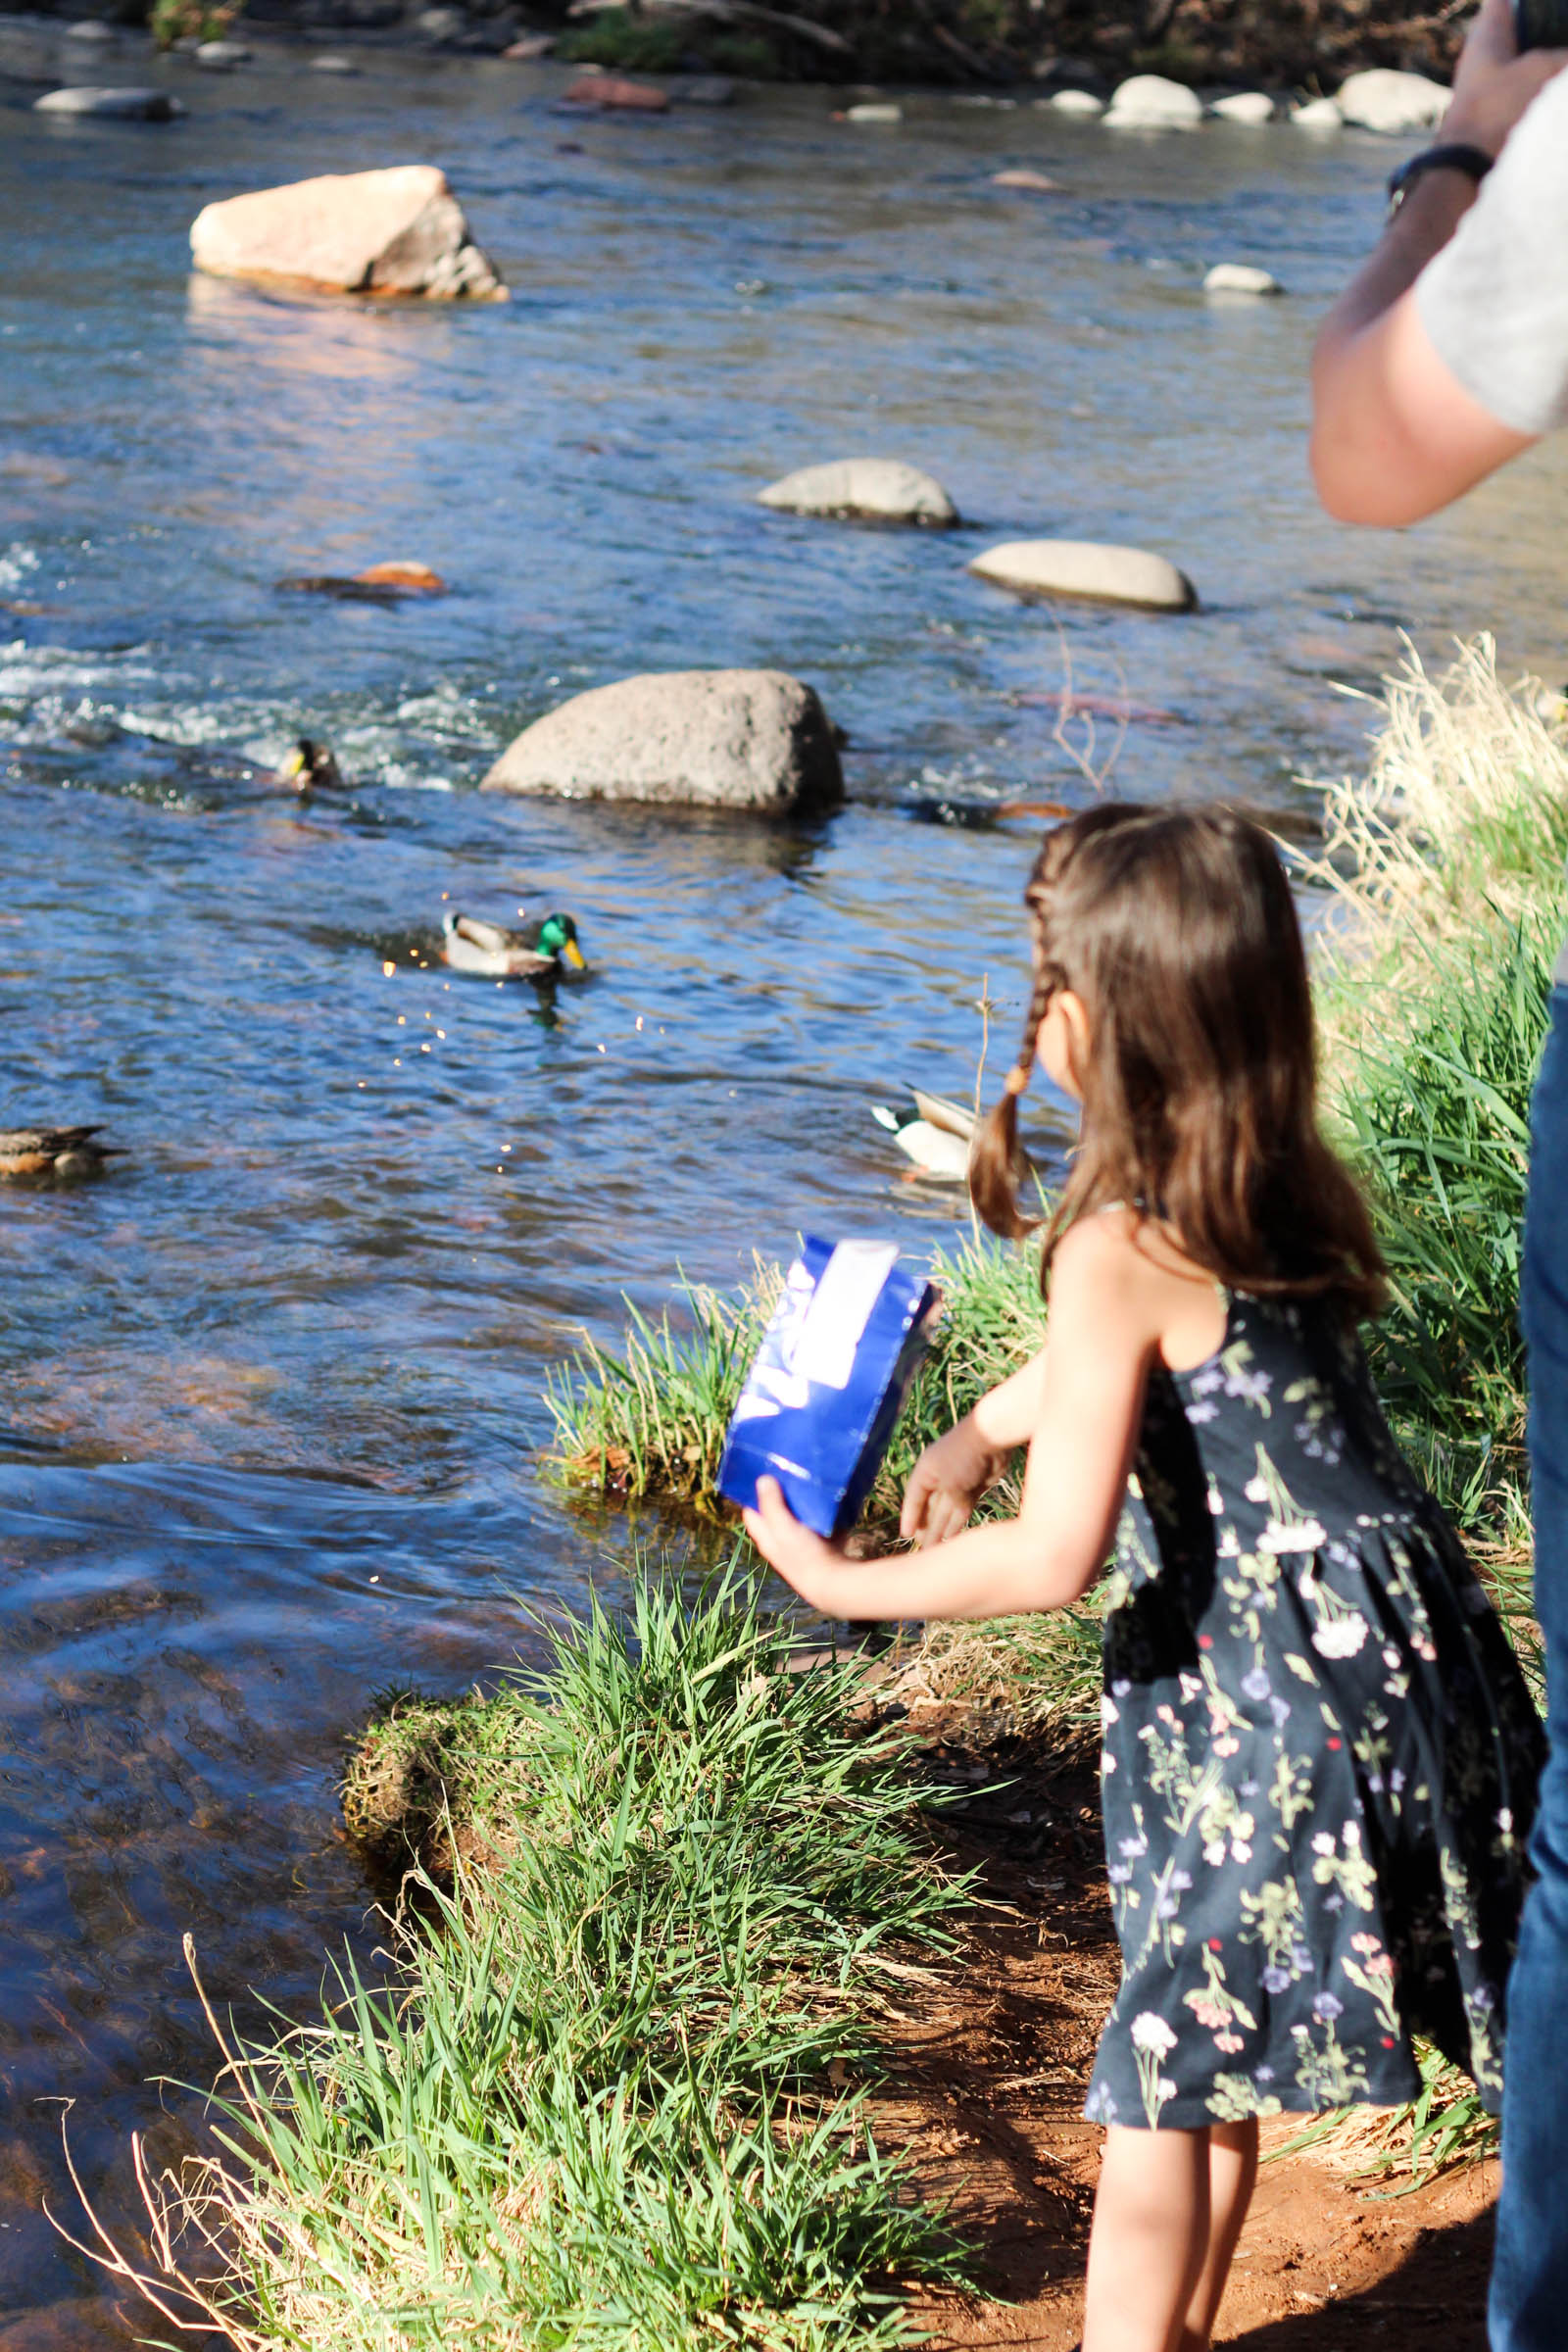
[(1495, 301)]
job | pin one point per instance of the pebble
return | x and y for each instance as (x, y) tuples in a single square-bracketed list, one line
[(1239, 277)]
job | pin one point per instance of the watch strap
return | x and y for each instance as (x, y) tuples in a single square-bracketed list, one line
[(1457, 155)]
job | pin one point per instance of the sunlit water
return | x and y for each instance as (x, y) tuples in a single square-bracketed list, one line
[(272, 1394)]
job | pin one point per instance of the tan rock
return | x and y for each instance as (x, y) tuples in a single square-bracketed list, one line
[(752, 739), (398, 232), (1035, 183), (613, 91), (1086, 567)]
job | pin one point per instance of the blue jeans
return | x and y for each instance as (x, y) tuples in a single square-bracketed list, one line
[(1529, 2310)]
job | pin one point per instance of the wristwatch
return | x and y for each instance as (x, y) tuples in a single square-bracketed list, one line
[(1455, 158)]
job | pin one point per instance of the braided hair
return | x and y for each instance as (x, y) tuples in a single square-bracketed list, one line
[(1176, 930)]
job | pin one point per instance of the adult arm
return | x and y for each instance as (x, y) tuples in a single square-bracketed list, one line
[(1401, 427)]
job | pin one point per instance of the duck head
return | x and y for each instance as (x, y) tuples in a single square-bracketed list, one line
[(558, 937), (310, 766)]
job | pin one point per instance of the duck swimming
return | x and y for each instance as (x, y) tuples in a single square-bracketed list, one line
[(53, 1152), (488, 950), (932, 1132), (311, 767)]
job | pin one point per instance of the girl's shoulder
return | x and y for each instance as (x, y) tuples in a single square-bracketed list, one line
[(1124, 1264)]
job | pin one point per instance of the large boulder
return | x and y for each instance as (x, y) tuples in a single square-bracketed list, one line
[(873, 489), (1085, 567), (115, 106), (1383, 100), (1148, 102), (722, 738), (400, 232)]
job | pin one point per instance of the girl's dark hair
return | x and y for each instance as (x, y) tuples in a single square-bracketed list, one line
[(1176, 929)]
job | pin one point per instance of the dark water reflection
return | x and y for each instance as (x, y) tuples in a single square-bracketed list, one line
[(272, 1405)]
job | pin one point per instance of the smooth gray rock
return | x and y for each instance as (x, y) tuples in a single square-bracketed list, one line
[(871, 489), (92, 30), (1239, 277), (753, 739), (1383, 100), (1088, 568), (222, 56), (332, 64), (1148, 102), (117, 106), (1250, 106)]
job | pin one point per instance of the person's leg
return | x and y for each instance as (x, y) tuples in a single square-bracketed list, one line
[(1232, 2179), (1150, 2240), (1530, 2272)]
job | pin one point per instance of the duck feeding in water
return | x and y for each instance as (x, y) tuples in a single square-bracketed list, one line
[(933, 1132), (491, 952), (66, 1152), (311, 767)]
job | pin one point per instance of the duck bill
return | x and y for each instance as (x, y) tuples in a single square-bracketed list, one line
[(574, 957)]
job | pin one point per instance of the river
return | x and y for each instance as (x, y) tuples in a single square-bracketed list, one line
[(272, 1418)]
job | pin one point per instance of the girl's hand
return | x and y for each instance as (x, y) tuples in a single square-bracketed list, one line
[(803, 1560), (947, 1482)]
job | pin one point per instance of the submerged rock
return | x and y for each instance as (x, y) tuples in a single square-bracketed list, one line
[(874, 111), (875, 489), (1089, 568), (332, 64), (1246, 106), (1148, 102), (398, 232), (222, 56), (1383, 100), (1239, 277), (1034, 184), (755, 739), (613, 92), (378, 583), (115, 106)]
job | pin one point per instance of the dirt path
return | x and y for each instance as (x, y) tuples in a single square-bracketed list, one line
[(992, 2074)]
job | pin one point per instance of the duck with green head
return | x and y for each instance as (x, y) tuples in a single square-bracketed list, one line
[(537, 952)]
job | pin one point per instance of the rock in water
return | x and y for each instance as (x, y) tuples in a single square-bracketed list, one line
[(400, 232), (222, 56), (1318, 114), (1035, 183), (873, 110), (332, 64), (1083, 102), (1247, 106), (873, 489), (1148, 102), (1238, 277), (1383, 100), (115, 106), (610, 90), (754, 739), (1083, 568)]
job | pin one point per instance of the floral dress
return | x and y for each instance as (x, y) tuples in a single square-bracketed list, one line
[(1320, 1757)]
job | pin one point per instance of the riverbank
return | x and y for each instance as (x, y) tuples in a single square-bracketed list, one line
[(941, 44), (695, 2026)]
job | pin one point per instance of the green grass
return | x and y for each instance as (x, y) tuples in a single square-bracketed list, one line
[(612, 2097)]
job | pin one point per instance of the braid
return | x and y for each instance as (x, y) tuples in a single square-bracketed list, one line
[(996, 1161)]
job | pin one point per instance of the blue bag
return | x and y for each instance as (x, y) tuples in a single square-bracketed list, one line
[(829, 1381)]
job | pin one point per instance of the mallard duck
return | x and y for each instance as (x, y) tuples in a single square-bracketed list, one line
[(53, 1152), (933, 1132), (311, 767), (495, 953)]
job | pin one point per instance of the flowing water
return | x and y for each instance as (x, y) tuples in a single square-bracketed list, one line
[(272, 1403)]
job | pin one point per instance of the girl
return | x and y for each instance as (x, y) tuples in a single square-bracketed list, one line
[(1320, 1758)]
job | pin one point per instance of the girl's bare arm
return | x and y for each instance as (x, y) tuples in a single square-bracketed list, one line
[(1086, 1389)]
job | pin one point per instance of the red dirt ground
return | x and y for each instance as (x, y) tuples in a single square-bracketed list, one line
[(989, 2072)]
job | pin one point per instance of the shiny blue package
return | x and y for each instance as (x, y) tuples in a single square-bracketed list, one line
[(829, 1381)]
